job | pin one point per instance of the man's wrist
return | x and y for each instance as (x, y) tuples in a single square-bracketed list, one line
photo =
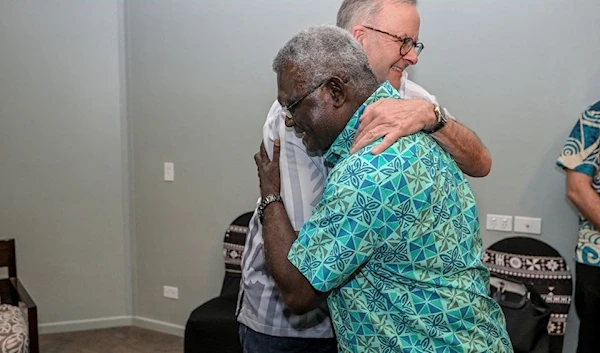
[(441, 119), (265, 202), (431, 118)]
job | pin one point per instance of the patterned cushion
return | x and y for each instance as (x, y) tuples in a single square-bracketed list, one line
[(532, 261), (14, 336), (233, 244)]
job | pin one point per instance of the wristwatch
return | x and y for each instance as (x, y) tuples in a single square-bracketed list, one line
[(269, 199), (442, 119)]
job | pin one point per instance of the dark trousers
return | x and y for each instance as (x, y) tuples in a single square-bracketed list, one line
[(254, 342), (587, 305)]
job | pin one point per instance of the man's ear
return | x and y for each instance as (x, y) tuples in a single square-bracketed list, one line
[(358, 32), (338, 90)]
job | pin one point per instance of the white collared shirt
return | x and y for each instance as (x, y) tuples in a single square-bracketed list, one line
[(260, 304)]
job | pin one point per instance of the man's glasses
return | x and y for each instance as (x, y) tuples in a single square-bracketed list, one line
[(287, 109), (407, 43)]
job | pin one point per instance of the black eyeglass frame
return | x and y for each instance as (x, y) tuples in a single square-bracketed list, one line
[(406, 42), (287, 109)]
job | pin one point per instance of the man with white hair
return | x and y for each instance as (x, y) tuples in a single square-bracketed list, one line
[(388, 31), (394, 243)]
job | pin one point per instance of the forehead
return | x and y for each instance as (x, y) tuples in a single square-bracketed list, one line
[(399, 18), (287, 82)]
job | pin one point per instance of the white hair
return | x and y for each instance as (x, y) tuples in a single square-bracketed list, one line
[(353, 11), (321, 52)]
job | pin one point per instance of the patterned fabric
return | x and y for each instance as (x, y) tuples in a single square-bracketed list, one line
[(260, 306), (14, 336), (582, 154), (233, 248), (550, 275), (395, 240)]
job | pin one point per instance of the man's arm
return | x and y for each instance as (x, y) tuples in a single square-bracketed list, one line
[(279, 235), (472, 157), (583, 196), (395, 118)]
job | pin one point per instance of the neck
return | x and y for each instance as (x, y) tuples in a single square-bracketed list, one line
[(352, 106), (357, 99)]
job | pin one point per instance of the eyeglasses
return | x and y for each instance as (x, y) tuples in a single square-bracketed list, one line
[(287, 109), (407, 43)]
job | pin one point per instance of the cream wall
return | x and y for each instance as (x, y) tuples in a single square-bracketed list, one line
[(80, 111), (64, 191)]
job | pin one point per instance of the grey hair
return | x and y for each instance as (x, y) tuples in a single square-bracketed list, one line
[(353, 11), (321, 52)]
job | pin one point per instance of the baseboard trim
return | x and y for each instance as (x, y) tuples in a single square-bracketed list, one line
[(109, 322), (159, 326), (81, 325)]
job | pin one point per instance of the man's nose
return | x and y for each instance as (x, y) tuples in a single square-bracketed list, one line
[(411, 57)]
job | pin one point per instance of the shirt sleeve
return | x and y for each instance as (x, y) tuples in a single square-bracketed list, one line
[(412, 90), (344, 229), (581, 152), (302, 176)]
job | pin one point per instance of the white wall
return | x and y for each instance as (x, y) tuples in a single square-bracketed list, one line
[(199, 85), (518, 73), (64, 188)]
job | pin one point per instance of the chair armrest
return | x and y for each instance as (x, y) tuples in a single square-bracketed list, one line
[(21, 293)]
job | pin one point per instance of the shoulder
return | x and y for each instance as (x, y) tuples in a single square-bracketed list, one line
[(593, 112), (275, 114), (413, 90), (274, 128)]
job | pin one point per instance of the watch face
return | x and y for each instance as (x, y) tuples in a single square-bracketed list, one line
[(441, 119), (441, 115)]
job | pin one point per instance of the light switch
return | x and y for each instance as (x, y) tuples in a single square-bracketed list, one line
[(169, 171), (528, 225)]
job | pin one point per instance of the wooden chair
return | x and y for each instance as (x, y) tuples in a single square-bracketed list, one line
[(12, 292)]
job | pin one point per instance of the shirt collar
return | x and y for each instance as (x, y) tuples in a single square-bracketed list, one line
[(342, 144), (403, 80)]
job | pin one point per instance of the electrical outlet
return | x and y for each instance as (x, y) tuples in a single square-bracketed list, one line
[(170, 292), (499, 223)]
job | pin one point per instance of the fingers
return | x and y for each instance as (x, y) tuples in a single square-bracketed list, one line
[(370, 134), (263, 150), (365, 120), (276, 149), (362, 141), (261, 156), (257, 158), (369, 113), (384, 144), (258, 155)]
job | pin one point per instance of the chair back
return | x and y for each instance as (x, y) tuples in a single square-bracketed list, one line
[(8, 257), (233, 251), (532, 261)]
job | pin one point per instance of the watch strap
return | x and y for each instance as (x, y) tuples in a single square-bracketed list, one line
[(266, 201), (441, 119)]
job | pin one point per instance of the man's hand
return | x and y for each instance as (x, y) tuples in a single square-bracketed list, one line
[(268, 170), (396, 118), (392, 118), (279, 235)]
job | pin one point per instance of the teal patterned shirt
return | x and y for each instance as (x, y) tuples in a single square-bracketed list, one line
[(582, 154), (395, 240)]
